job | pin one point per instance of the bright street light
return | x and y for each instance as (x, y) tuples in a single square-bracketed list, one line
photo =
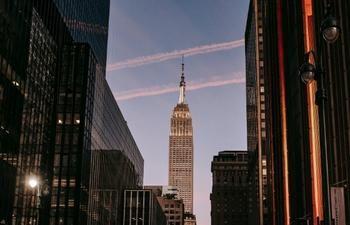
[(33, 182)]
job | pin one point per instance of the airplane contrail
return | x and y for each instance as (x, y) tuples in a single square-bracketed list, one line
[(159, 90), (160, 57)]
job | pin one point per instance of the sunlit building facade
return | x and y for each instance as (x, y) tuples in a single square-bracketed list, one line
[(181, 149)]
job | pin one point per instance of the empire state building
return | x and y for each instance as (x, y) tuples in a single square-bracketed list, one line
[(181, 149)]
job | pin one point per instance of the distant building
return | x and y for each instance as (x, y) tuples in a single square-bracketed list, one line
[(142, 207), (173, 209), (181, 149), (229, 192), (172, 206), (190, 219)]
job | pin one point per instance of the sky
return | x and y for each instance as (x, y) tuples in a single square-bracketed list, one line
[(146, 41)]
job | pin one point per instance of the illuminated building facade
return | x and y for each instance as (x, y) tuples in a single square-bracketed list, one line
[(229, 197), (292, 135), (181, 149)]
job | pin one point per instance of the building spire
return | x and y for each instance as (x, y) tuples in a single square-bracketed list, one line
[(182, 83)]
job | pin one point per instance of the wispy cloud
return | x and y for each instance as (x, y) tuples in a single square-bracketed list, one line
[(215, 81), (160, 57)]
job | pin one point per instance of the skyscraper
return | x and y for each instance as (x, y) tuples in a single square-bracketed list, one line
[(258, 149), (181, 149), (295, 139), (229, 204), (59, 118)]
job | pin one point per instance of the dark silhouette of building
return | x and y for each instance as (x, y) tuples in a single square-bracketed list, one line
[(293, 140), (258, 149), (229, 197), (53, 57), (7, 194), (142, 207), (87, 22), (113, 172)]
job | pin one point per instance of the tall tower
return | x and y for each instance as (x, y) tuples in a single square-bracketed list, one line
[(181, 149)]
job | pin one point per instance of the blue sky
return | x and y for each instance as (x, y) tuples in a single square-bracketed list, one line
[(148, 27)]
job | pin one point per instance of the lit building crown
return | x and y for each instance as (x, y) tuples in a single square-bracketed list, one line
[(182, 84)]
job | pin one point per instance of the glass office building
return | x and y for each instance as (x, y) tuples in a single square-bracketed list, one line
[(87, 21), (55, 107), (142, 207), (109, 128)]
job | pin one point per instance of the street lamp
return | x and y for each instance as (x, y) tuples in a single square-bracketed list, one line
[(35, 184), (330, 29), (330, 32)]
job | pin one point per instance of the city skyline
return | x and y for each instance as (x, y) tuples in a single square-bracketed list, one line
[(259, 120), (163, 27)]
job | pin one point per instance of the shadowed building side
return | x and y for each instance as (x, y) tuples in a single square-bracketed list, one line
[(229, 197)]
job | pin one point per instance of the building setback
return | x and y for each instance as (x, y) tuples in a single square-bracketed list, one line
[(229, 197), (181, 149)]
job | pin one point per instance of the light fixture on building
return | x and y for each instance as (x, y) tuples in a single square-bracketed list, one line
[(330, 29), (307, 70)]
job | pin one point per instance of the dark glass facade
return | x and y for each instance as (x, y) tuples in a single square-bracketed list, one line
[(50, 85), (36, 116), (7, 194), (229, 197), (87, 21), (109, 128), (71, 167), (14, 39), (113, 172)]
